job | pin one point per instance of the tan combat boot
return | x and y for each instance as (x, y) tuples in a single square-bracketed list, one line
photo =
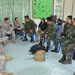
[(8, 58), (5, 73), (69, 59), (14, 40)]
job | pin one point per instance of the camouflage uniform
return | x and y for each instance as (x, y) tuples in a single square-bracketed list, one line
[(18, 32), (7, 28), (30, 26), (50, 32), (71, 46), (1, 33), (66, 40)]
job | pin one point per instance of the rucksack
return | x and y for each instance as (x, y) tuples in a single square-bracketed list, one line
[(36, 47)]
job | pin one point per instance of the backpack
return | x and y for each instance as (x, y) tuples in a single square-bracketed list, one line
[(36, 47)]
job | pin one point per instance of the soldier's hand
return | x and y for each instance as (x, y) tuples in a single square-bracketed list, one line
[(31, 31), (42, 32), (63, 37), (8, 32), (23, 31), (45, 36), (18, 28)]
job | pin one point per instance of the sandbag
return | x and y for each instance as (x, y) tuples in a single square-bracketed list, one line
[(40, 55)]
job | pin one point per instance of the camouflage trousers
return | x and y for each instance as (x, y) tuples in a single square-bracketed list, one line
[(67, 45), (2, 59), (30, 34), (70, 48)]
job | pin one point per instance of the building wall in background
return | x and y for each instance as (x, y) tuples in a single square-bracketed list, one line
[(68, 8)]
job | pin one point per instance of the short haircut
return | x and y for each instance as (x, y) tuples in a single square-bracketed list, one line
[(5, 19), (43, 19), (70, 17), (16, 18), (26, 16), (74, 19), (59, 20), (49, 19)]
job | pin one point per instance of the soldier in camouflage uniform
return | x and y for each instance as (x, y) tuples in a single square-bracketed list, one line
[(71, 44), (50, 32), (18, 27), (3, 59), (65, 38), (67, 26), (7, 29), (2, 37), (29, 27)]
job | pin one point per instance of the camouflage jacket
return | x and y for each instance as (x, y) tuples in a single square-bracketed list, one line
[(66, 28), (5, 27), (30, 26), (70, 35), (50, 31)]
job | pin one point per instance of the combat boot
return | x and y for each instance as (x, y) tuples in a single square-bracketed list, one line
[(14, 41), (55, 50), (74, 74), (63, 58), (8, 58), (68, 61), (47, 48), (5, 73)]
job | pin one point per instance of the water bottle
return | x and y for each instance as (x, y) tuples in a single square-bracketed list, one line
[(46, 55)]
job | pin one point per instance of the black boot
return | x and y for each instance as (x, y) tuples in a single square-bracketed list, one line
[(31, 40), (47, 48), (40, 42), (74, 74), (69, 60), (55, 50), (25, 39), (63, 59)]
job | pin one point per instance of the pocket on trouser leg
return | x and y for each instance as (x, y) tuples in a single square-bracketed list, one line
[(64, 52)]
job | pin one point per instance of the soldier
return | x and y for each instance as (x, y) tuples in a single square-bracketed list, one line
[(67, 26), (70, 44), (50, 32), (29, 27), (66, 40), (3, 57), (18, 27), (2, 37), (7, 30)]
